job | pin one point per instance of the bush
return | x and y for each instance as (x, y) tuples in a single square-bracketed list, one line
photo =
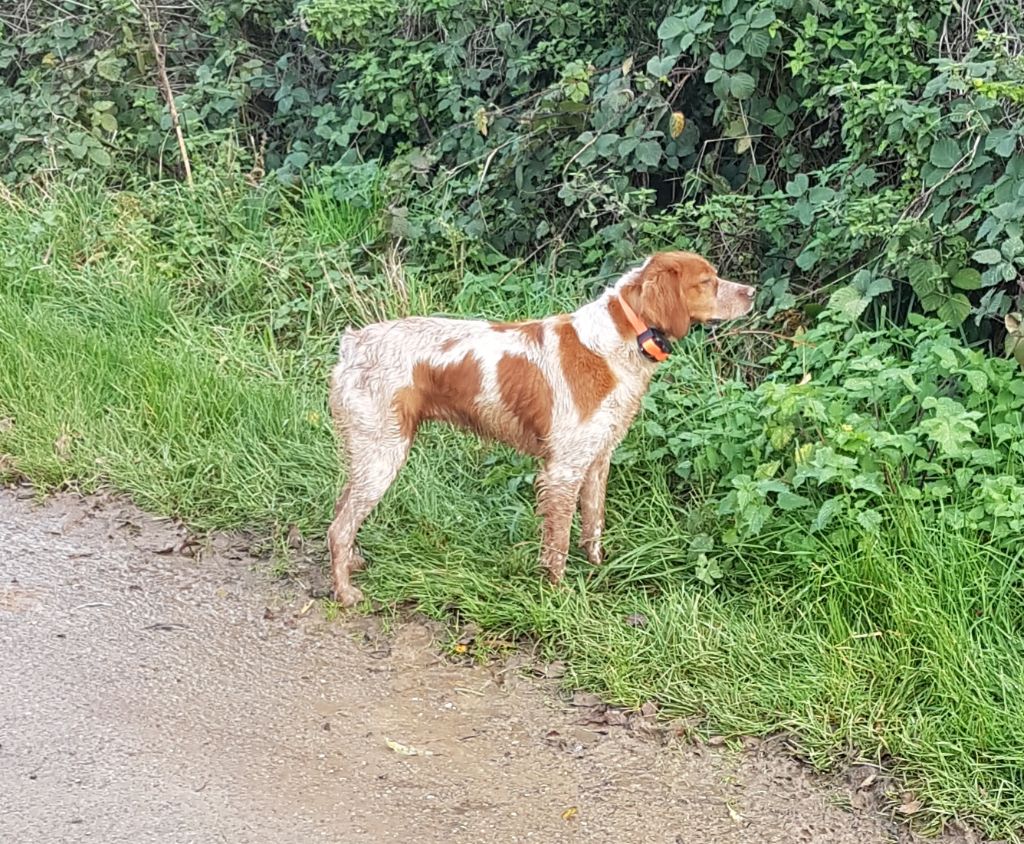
[(796, 143), (847, 423)]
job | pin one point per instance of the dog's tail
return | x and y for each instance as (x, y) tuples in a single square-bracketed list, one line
[(347, 347), (347, 353)]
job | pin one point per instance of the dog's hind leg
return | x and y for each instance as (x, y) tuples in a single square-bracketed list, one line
[(375, 457)]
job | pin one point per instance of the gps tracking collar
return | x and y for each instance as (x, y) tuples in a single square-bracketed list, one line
[(653, 344)]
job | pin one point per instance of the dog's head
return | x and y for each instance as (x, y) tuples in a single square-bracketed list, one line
[(676, 289)]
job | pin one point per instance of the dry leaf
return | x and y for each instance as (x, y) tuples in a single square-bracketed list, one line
[(570, 813), (909, 806), (480, 121), (62, 445), (676, 124), (553, 670), (627, 66), (733, 814), (806, 379), (870, 778), (405, 750)]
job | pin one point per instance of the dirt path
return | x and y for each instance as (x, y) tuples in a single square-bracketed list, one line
[(147, 696)]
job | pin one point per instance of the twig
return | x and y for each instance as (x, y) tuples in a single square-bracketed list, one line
[(165, 85), (740, 332)]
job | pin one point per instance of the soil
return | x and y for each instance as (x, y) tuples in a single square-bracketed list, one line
[(158, 688)]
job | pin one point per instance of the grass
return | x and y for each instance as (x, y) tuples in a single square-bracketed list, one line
[(176, 347)]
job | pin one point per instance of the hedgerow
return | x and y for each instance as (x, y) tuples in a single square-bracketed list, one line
[(796, 142)]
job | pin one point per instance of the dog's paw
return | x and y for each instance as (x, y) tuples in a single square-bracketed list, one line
[(348, 596), (595, 554)]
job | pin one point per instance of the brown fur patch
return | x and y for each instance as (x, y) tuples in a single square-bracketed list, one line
[(449, 344), (533, 329), (526, 394), (442, 393), (587, 373)]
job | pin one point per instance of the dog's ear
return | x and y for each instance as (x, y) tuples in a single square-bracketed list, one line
[(663, 291)]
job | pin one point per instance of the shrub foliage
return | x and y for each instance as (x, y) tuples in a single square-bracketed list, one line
[(871, 148)]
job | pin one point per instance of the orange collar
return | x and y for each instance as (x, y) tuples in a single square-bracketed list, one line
[(652, 342)]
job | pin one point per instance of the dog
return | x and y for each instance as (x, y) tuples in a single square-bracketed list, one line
[(564, 389)]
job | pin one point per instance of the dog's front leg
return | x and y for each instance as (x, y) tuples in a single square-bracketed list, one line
[(592, 496), (558, 491)]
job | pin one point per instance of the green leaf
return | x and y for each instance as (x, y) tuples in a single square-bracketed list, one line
[(954, 310), (671, 27), (606, 143), (733, 59), (922, 275), (808, 258), (945, 153), (791, 501), (798, 185), (702, 543), (658, 67), (109, 68), (1012, 247), (826, 514), (742, 85), (952, 428), (100, 156), (848, 301), (626, 146), (762, 18), (977, 379), (870, 520), (649, 153), (870, 481), (756, 43), (821, 194), (878, 286), (1007, 145), (108, 122), (987, 256), (967, 278)]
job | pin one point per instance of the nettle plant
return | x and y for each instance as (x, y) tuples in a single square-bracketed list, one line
[(850, 422)]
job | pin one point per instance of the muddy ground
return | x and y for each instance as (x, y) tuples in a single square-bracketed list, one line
[(153, 690)]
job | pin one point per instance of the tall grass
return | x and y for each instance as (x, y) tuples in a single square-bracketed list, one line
[(176, 346)]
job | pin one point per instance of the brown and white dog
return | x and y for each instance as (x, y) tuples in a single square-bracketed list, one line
[(564, 388)]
